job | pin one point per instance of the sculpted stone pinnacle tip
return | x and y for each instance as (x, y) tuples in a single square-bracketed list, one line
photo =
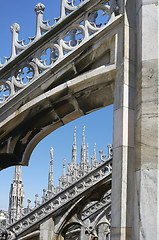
[(39, 8), (15, 27)]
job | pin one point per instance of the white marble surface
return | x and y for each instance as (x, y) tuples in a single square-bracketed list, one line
[(123, 127), (146, 205)]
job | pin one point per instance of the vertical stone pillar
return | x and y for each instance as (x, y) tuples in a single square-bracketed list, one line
[(47, 230), (146, 207), (124, 122)]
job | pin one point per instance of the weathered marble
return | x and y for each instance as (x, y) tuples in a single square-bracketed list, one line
[(146, 202), (146, 205), (118, 64), (47, 230)]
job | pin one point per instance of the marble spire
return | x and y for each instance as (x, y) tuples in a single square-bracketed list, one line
[(64, 170), (74, 149), (83, 147), (50, 178), (17, 174), (16, 197), (63, 179), (87, 157)]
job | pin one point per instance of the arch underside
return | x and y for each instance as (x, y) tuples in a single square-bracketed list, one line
[(59, 96)]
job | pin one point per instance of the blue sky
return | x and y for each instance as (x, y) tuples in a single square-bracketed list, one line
[(98, 124)]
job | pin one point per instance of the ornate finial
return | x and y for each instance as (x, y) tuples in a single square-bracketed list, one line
[(109, 150), (101, 153), (39, 8), (41, 25), (15, 27), (51, 153)]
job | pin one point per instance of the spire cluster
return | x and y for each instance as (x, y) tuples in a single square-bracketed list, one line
[(75, 171)]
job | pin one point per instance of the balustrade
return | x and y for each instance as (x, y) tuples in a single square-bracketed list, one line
[(75, 190), (55, 49)]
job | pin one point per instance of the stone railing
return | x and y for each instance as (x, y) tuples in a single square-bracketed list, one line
[(73, 192), (52, 44)]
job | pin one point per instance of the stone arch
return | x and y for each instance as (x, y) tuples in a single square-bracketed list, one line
[(45, 113)]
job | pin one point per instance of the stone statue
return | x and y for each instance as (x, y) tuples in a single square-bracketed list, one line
[(51, 152)]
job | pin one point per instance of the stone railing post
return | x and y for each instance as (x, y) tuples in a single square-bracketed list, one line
[(39, 9), (15, 28)]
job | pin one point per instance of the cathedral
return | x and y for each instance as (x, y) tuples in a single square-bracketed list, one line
[(75, 173)]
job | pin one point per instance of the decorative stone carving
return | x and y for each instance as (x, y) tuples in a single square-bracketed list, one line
[(55, 49), (39, 8), (7, 235), (58, 200), (93, 222), (15, 27)]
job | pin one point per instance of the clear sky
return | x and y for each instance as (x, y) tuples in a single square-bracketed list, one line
[(98, 124)]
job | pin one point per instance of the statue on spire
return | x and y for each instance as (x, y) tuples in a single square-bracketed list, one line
[(74, 149), (50, 178), (51, 152), (83, 147), (87, 158)]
